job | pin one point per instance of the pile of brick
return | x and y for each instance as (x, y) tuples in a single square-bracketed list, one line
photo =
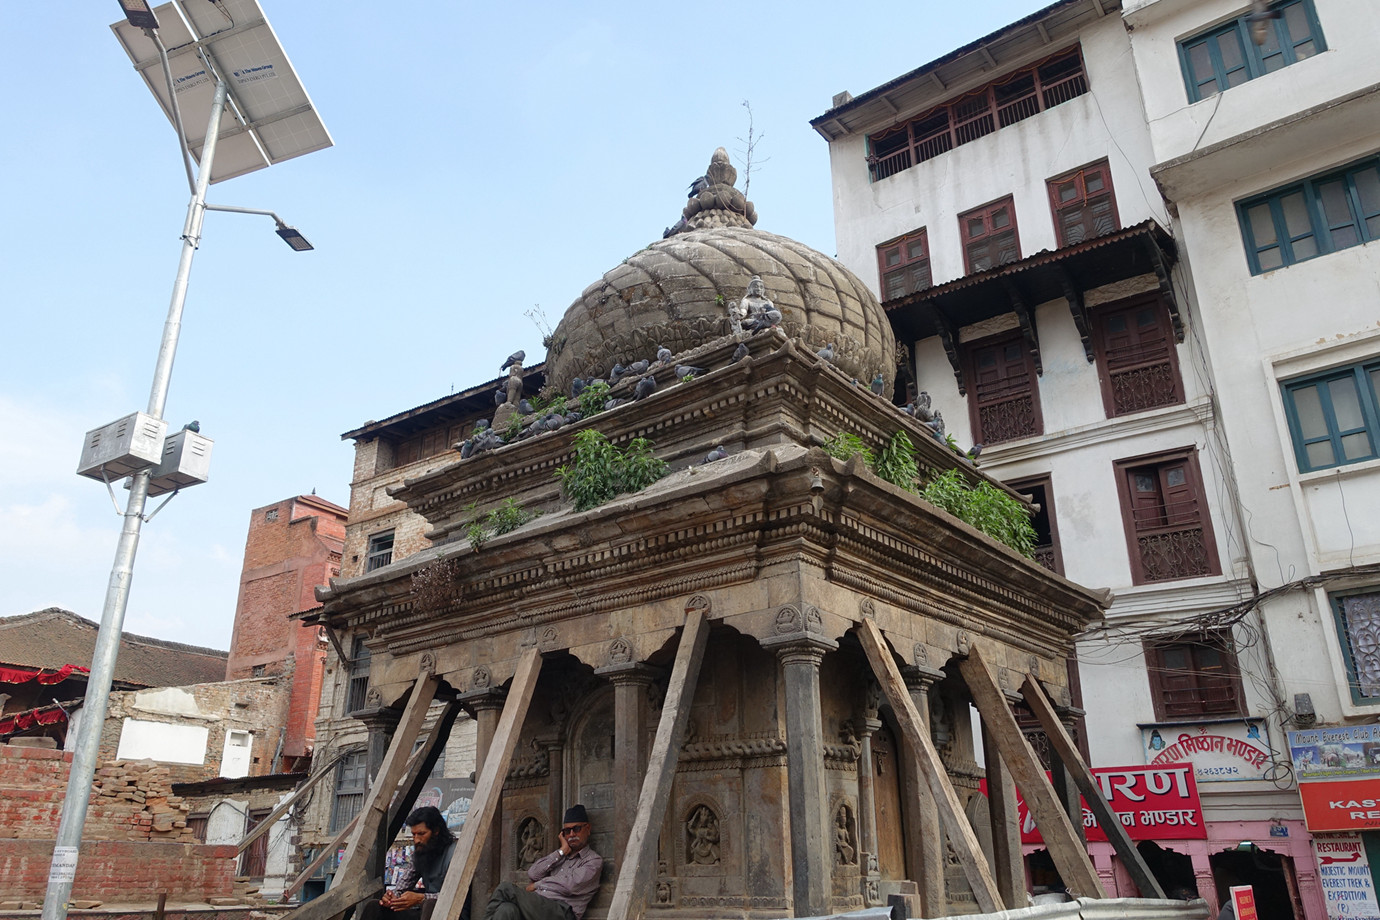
[(133, 799)]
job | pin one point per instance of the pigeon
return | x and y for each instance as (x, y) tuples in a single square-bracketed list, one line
[(638, 368), (613, 403), (827, 352), (552, 422), (573, 416), (193, 426), (974, 452), (740, 352), (617, 374), (909, 408), (645, 387), (515, 358), (524, 407), (923, 400), (698, 186), (878, 383), (663, 355), (937, 424), (500, 396), (718, 453), (685, 370), (675, 228), (466, 449), (763, 319), (577, 386)]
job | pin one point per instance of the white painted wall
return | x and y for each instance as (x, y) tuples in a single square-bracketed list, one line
[(162, 741)]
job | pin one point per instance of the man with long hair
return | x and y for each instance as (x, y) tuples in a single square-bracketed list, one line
[(432, 846)]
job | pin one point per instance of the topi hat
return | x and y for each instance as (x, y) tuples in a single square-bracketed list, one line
[(576, 814)]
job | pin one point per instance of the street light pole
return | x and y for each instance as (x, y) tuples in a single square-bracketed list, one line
[(64, 866)]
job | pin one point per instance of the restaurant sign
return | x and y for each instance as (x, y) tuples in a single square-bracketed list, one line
[(1341, 805), (1229, 751), (1152, 804), (1344, 877)]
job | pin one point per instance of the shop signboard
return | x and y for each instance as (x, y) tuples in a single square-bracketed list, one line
[(1331, 806), (1335, 753), (1158, 803), (1243, 900), (1344, 877), (1221, 751)]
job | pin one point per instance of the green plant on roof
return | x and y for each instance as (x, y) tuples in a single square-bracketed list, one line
[(593, 397), (896, 463), (600, 471), (985, 507), (507, 517), (846, 445)]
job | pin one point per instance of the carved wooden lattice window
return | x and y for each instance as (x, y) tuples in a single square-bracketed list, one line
[(1167, 523), (1358, 625), (1136, 358), (1195, 676), (1003, 406), (989, 236), (1083, 204), (904, 265)]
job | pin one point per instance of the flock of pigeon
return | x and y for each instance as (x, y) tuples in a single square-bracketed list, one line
[(644, 373)]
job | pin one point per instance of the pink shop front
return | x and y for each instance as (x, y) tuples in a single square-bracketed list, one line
[(1161, 804)]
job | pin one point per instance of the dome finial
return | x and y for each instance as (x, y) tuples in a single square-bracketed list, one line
[(714, 202)]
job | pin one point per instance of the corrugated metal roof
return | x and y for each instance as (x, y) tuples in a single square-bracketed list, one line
[(439, 405)]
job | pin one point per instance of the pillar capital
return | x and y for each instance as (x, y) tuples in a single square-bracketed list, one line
[(920, 677), (630, 672), (800, 647), (483, 698), (380, 718)]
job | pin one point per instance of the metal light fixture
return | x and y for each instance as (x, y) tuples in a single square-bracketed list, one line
[(139, 14), (294, 238)]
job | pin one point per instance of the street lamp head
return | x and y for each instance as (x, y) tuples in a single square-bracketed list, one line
[(139, 14), (293, 238)]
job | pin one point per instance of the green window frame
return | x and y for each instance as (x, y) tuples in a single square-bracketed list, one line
[(1307, 219), (1226, 56), (1334, 417)]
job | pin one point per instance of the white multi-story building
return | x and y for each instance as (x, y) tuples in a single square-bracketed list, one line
[(1128, 246)]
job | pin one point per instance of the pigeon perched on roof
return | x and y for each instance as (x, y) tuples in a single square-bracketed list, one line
[(515, 358), (645, 387), (613, 403), (577, 386), (193, 426), (740, 352), (675, 228), (663, 355), (936, 424), (827, 352), (763, 319), (974, 452), (698, 186), (685, 370), (637, 368), (878, 384), (616, 374), (718, 453), (525, 407), (500, 396)]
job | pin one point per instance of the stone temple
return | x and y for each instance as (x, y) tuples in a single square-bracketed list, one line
[(757, 672)]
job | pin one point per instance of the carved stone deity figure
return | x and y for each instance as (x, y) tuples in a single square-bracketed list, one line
[(531, 842), (702, 836), (513, 389), (845, 847)]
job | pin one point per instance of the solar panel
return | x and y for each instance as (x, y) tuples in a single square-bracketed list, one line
[(268, 116)]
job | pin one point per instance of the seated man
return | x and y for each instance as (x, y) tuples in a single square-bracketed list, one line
[(563, 883), (432, 846)]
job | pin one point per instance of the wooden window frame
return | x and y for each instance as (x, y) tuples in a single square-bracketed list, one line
[(254, 861), (197, 823), (978, 113), (902, 245), (357, 679), (1193, 474), (1045, 483), (1323, 232), (970, 350), (1197, 709), (985, 212), (1254, 59), (375, 552), (352, 782), (1364, 374), (1079, 176), (1101, 352)]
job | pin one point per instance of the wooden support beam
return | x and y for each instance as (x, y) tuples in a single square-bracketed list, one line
[(1065, 848), (320, 859), (262, 827), (1083, 778), (419, 769), (917, 738), (629, 893), (374, 812), (1006, 825), (489, 788)]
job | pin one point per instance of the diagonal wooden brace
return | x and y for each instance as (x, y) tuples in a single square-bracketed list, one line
[(630, 891), (917, 739), (1083, 778), (1064, 845), (489, 789)]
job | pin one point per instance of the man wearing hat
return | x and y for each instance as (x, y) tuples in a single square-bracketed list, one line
[(563, 882)]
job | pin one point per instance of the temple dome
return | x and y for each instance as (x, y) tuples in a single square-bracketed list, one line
[(676, 292)]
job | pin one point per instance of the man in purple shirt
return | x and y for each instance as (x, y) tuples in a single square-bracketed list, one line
[(563, 882)]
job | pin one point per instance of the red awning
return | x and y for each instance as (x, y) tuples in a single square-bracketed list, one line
[(23, 721), (42, 675)]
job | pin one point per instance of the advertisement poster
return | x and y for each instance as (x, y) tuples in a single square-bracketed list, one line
[(1341, 805), (1243, 899), (1335, 753), (1152, 804), (1221, 752), (452, 797), (1344, 877)]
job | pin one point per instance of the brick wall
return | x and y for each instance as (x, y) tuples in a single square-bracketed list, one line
[(135, 841)]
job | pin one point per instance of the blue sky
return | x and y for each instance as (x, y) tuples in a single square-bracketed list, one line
[(487, 160)]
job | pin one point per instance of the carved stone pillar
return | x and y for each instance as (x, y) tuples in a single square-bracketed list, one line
[(631, 746), (1064, 785), (381, 722), (811, 853), (867, 808), (554, 747), (924, 834), (487, 706)]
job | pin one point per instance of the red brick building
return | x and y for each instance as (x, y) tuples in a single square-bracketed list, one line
[(293, 546)]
